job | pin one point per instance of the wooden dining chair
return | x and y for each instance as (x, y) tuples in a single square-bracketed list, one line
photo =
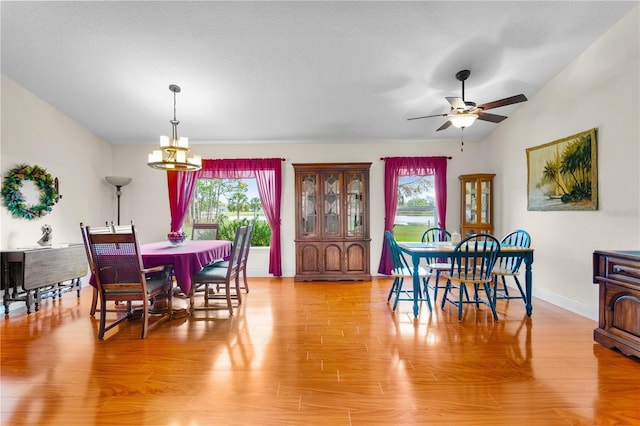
[(116, 264), (96, 230), (243, 258), (436, 266), (120, 228), (509, 266), (220, 276), (205, 231), (472, 263), (401, 270)]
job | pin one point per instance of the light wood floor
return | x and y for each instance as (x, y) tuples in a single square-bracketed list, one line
[(314, 354)]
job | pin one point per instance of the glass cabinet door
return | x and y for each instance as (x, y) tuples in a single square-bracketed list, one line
[(354, 206), (331, 194), (471, 205), (485, 205), (308, 199)]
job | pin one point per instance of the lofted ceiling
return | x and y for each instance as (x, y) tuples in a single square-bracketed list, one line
[(304, 71)]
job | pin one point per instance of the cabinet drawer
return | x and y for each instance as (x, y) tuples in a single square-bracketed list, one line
[(623, 271)]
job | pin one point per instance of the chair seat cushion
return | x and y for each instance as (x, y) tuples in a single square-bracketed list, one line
[(504, 271), (408, 272), (460, 276), (440, 266), (218, 264), (210, 274), (153, 285)]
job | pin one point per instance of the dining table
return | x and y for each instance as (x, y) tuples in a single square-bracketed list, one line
[(187, 259), (441, 250)]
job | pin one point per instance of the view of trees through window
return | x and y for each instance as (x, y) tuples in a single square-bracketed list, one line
[(228, 202), (416, 209)]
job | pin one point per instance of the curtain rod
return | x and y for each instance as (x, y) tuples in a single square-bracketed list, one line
[(384, 158)]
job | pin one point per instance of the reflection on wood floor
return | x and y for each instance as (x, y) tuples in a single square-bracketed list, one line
[(318, 354)]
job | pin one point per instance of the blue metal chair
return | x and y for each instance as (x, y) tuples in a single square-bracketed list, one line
[(509, 266), (436, 234), (472, 263), (436, 266), (401, 270)]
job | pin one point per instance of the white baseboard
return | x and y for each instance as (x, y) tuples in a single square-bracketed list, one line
[(568, 304)]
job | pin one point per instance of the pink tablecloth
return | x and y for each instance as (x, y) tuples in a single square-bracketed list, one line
[(187, 259)]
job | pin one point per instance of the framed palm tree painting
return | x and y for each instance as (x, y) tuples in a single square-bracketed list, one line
[(563, 174)]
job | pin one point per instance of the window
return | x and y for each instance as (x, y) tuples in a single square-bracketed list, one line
[(398, 167), (416, 207), (229, 202)]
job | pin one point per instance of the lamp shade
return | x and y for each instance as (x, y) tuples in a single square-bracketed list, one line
[(463, 120), (118, 180)]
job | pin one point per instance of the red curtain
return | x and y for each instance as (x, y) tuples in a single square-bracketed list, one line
[(181, 187), (394, 167), (268, 175)]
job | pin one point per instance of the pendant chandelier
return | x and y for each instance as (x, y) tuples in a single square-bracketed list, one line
[(173, 151)]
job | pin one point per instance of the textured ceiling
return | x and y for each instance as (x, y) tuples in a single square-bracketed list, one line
[(308, 71)]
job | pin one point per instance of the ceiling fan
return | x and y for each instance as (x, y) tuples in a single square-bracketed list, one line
[(464, 113)]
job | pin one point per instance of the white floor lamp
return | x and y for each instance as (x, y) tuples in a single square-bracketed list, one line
[(118, 182)]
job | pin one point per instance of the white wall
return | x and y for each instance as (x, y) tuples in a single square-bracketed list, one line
[(600, 89), (146, 200), (34, 132)]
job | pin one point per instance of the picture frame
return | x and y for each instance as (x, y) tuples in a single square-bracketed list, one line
[(563, 174)]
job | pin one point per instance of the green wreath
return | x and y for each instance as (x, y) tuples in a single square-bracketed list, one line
[(13, 198)]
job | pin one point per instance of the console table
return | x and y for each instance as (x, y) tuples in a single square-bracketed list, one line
[(618, 275), (30, 274)]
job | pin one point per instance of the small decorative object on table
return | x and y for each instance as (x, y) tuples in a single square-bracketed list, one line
[(47, 236), (176, 238)]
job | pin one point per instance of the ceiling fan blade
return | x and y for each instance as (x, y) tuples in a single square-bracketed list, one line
[(504, 102), (494, 118), (457, 103), (444, 126), (427, 116)]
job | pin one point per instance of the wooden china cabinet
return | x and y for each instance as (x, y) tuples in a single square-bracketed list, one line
[(332, 221), (476, 204)]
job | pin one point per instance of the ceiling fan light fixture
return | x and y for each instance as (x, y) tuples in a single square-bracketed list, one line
[(463, 120)]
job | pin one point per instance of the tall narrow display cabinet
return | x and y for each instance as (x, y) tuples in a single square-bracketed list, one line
[(332, 221), (476, 204)]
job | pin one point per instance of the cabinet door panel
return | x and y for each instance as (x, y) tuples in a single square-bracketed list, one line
[(309, 259), (623, 309), (332, 214), (471, 211), (355, 212), (332, 257), (356, 258), (485, 205), (308, 226)]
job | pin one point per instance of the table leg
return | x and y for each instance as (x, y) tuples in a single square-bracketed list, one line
[(416, 284), (528, 260)]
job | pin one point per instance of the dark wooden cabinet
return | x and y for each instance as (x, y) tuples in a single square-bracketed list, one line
[(476, 204), (618, 275), (332, 221)]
